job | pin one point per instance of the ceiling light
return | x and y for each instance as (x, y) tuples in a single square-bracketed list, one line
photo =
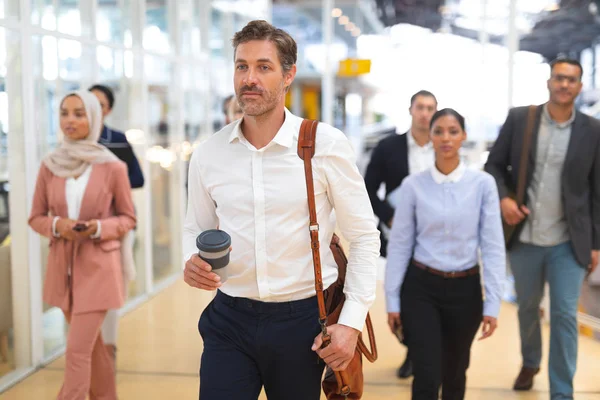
[(356, 32), (336, 13), (350, 26), (344, 20)]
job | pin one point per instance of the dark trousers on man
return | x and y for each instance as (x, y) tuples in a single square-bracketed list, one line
[(440, 317), (249, 344)]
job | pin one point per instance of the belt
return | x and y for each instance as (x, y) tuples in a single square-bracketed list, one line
[(453, 274)]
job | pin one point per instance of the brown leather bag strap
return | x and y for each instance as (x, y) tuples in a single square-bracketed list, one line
[(523, 163), (306, 150), (371, 354)]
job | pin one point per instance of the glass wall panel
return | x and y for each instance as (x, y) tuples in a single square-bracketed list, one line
[(43, 14), (114, 21), (195, 85), (11, 119), (111, 67), (162, 157), (69, 17), (189, 15), (156, 31), (48, 91), (9, 9)]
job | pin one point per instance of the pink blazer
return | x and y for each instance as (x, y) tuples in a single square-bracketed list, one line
[(97, 278)]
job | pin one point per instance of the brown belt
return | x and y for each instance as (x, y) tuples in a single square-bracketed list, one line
[(453, 274)]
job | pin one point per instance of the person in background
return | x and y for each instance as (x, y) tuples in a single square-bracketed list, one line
[(557, 235), (234, 111), (115, 140), (447, 215), (225, 108), (82, 203), (117, 143), (394, 157)]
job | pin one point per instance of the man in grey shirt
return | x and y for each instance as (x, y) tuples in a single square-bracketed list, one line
[(558, 229)]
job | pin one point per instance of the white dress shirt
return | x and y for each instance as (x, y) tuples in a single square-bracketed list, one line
[(259, 198), (74, 192), (420, 158)]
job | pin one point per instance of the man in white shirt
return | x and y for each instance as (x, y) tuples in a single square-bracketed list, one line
[(393, 159), (262, 328)]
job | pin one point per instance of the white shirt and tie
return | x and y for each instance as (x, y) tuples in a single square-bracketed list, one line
[(259, 197)]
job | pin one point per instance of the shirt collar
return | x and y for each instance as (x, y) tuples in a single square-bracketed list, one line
[(414, 145), (549, 119), (284, 137), (453, 177)]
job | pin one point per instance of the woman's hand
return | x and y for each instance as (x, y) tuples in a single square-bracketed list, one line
[(92, 228), (488, 326), (64, 227)]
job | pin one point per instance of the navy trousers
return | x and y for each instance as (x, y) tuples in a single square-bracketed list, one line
[(249, 344)]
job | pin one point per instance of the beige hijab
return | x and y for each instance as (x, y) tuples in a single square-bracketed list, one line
[(73, 157)]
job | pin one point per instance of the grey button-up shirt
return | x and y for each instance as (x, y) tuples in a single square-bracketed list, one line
[(547, 224)]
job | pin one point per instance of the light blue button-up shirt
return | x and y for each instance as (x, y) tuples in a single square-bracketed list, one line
[(445, 221)]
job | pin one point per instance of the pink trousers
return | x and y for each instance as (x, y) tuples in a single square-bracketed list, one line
[(89, 367)]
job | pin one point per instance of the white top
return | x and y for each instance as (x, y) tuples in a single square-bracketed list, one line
[(259, 198), (420, 158), (74, 192)]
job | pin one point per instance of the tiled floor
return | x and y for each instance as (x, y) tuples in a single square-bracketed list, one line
[(159, 352)]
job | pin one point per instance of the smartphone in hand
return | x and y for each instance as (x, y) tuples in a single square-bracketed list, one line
[(80, 227)]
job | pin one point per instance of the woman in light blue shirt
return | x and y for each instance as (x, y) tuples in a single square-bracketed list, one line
[(445, 219)]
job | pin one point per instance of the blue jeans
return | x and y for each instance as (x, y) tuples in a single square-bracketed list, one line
[(532, 266)]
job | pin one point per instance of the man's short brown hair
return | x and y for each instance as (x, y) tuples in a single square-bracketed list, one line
[(287, 50)]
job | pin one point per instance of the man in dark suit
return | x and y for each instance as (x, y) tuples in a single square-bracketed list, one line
[(116, 141), (394, 157), (557, 234)]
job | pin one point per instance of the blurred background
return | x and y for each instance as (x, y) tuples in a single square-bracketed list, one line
[(170, 65)]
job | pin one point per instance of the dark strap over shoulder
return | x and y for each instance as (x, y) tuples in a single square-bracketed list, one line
[(523, 162)]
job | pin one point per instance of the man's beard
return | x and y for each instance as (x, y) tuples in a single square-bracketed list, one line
[(267, 101)]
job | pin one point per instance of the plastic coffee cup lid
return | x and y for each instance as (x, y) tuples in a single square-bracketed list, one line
[(213, 241)]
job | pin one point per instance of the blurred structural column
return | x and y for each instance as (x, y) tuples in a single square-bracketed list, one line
[(512, 43), (328, 80)]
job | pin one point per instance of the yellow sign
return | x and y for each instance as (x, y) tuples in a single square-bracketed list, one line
[(354, 67)]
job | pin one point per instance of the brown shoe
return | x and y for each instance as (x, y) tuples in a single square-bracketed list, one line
[(525, 379)]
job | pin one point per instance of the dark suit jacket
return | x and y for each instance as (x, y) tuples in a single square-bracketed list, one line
[(580, 176), (389, 165), (117, 142)]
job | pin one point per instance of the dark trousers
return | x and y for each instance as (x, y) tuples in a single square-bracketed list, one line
[(440, 318), (249, 344)]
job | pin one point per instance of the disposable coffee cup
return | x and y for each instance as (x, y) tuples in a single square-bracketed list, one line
[(213, 247)]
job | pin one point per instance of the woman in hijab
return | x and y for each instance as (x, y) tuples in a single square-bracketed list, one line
[(83, 203)]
